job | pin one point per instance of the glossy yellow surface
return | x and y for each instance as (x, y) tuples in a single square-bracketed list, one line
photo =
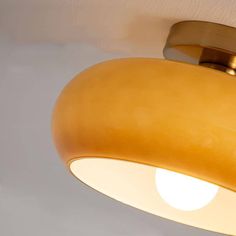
[(160, 113)]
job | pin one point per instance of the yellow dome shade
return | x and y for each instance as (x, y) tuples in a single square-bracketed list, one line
[(119, 120)]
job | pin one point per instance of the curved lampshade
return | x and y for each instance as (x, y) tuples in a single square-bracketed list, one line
[(119, 120)]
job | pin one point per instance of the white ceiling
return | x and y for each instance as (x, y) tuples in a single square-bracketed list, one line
[(43, 44), (131, 26)]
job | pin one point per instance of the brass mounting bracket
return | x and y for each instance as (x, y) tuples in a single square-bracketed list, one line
[(203, 43)]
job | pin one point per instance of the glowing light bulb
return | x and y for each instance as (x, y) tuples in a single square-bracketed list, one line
[(184, 192)]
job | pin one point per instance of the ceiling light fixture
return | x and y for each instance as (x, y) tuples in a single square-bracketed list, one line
[(159, 135)]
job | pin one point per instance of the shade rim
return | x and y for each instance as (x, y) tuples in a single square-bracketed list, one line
[(68, 164)]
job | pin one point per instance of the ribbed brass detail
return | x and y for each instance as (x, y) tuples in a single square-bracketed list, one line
[(204, 43)]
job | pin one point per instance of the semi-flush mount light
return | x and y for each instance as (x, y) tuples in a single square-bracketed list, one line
[(159, 135)]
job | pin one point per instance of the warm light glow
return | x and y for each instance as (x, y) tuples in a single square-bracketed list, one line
[(184, 192)]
